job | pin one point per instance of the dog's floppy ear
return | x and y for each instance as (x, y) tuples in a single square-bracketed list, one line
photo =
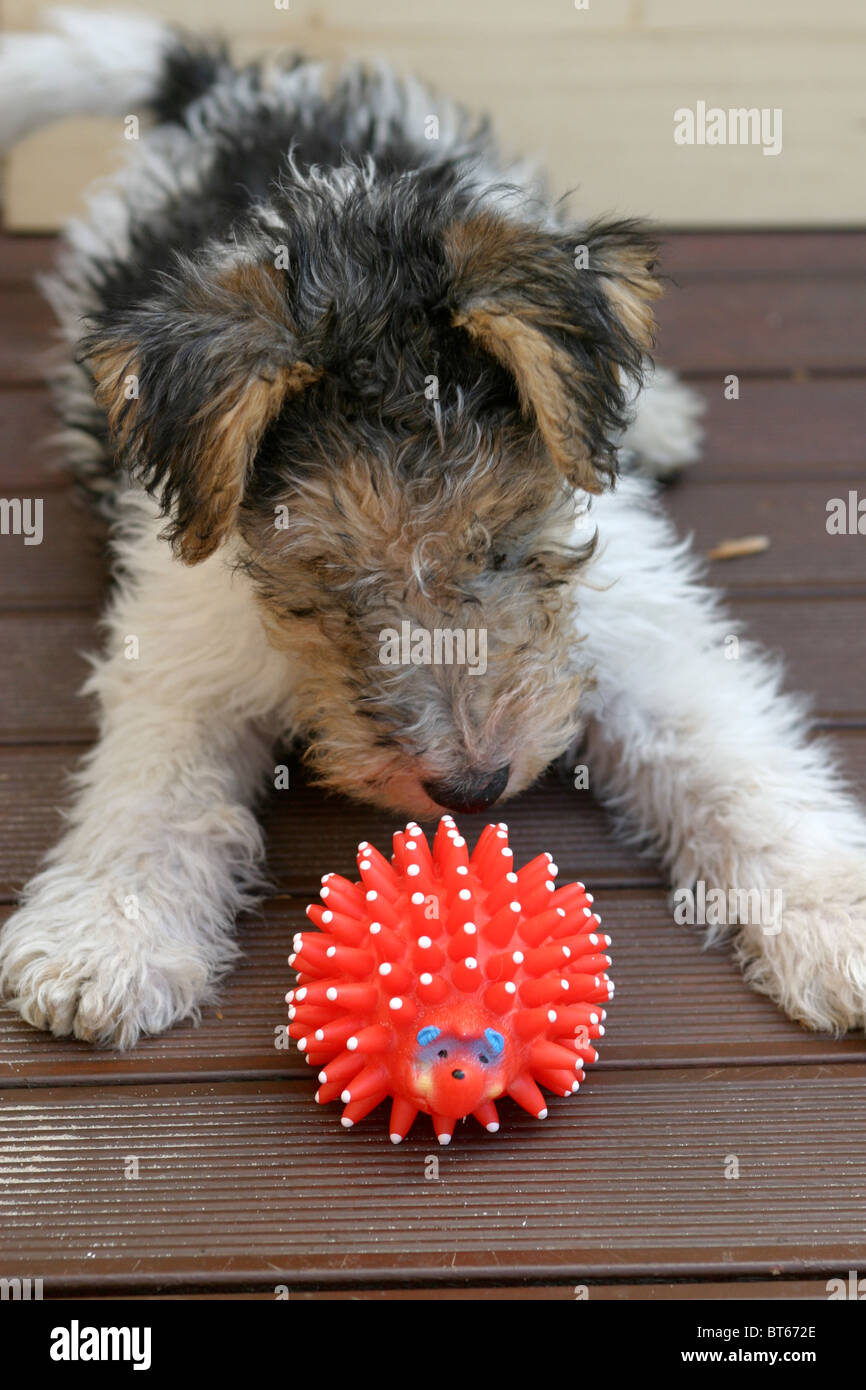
[(190, 379), (568, 315)]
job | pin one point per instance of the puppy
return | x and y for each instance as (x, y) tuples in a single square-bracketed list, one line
[(338, 384)]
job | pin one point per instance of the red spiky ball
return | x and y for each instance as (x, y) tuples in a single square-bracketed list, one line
[(445, 980)]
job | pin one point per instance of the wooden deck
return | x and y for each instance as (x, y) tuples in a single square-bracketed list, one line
[(244, 1184)]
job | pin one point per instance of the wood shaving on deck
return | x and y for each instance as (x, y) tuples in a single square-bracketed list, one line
[(734, 549)]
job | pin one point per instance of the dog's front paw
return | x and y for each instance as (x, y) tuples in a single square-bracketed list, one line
[(78, 960), (814, 965)]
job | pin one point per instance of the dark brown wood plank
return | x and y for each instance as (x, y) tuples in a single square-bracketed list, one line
[(747, 325), (22, 256), (252, 1183), (43, 655), (793, 517), (68, 567), (29, 463), (677, 1004), (783, 430), (763, 252), (818, 643), (29, 332), (34, 789)]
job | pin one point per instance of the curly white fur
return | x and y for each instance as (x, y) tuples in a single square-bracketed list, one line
[(697, 749), (132, 922)]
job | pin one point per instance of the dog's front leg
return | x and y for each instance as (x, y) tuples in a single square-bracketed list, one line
[(131, 923), (693, 744)]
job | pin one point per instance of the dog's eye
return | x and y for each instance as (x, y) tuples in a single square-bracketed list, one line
[(497, 560), (442, 1052)]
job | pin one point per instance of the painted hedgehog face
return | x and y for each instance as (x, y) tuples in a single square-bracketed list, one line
[(455, 1073), (390, 399)]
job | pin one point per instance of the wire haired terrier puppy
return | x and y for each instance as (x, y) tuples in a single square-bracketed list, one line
[(329, 377)]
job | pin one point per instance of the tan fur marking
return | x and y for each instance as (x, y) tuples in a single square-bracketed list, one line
[(227, 451), (631, 288), (110, 369), (486, 253), (230, 436), (486, 246), (540, 372)]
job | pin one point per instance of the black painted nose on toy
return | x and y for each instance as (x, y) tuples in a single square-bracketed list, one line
[(470, 793)]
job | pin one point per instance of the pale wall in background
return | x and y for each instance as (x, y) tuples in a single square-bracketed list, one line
[(592, 92)]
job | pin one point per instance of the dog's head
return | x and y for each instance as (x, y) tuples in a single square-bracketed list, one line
[(394, 398)]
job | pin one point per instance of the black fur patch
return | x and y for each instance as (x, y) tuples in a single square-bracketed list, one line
[(191, 66), (368, 295)]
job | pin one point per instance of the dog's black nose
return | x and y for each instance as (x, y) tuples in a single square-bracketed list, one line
[(469, 793), (458, 1075)]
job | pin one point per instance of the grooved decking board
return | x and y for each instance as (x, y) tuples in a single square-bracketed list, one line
[(783, 430), (764, 325), (793, 516), (21, 257), (29, 465), (252, 1182), (43, 654), (821, 644), (68, 567), (700, 1010), (707, 254), (28, 333)]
